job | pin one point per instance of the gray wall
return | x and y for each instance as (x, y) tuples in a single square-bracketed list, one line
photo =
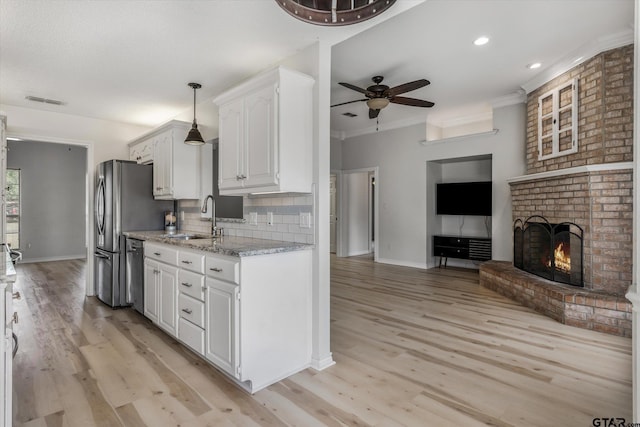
[(404, 215), (53, 181), (336, 154)]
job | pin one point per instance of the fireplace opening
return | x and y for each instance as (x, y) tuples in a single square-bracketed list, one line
[(552, 251)]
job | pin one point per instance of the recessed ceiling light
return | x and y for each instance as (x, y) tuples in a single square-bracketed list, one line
[(482, 40), (534, 65)]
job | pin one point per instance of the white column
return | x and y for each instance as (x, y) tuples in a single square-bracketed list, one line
[(321, 352)]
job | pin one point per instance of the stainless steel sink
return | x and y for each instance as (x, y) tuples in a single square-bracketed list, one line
[(186, 236)]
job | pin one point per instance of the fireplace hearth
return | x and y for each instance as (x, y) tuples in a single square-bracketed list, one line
[(551, 251)]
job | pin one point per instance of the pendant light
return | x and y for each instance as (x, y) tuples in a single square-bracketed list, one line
[(194, 137)]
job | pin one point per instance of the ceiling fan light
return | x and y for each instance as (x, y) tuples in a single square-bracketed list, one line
[(377, 103)]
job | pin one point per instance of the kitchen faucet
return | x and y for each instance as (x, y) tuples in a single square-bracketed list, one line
[(214, 227)]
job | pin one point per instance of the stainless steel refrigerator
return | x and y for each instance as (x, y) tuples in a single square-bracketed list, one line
[(124, 202)]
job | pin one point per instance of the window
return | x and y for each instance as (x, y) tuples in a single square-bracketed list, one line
[(13, 208), (558, 121)]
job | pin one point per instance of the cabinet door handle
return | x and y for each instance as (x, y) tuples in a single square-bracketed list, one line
[(186, 310), (238, 177), (156, 271), (16, 295), (158, 188), (217, 270), (157, 254), (14, 318), (188, 285), (186, 262)]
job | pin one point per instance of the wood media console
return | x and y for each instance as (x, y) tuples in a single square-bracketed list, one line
[(472, 248)]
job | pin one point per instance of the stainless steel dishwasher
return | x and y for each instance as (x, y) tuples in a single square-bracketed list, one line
[(135, 273)]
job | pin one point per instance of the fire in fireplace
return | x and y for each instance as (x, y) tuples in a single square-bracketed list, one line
[(552, 251)]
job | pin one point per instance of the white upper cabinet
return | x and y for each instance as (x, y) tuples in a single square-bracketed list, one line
[(142, 151), (266, 134), (176, 165)]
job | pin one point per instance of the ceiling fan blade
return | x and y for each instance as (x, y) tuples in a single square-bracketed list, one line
[(357, 89), (411, 101), (373, 113), (407, 87), (349, 102)]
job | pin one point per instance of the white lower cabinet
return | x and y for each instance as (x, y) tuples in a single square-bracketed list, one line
[(221, 325), (250, 317), (168, 292), (151, 289), (160, 294)]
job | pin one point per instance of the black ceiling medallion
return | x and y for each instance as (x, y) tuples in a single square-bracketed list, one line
[(334, 12)]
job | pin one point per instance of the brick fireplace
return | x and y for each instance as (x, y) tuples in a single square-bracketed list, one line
[(590, 187)]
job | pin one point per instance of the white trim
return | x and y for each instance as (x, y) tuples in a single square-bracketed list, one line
[(385, 127), (420, 265), (322, 364), (463, 120), (50, 259), (578, 56), (338, 134), (90, 171), (572, 171), (456, 138), (519, 97)]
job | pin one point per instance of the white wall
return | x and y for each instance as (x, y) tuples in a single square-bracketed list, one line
[(336, 154), (109, 139), (355, 197), (403, 181)]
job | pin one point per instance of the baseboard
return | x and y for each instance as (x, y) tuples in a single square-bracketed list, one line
[(320, 365), (420, 265), (50, 259), (357, 253)]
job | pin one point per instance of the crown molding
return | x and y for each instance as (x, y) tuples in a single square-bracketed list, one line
[(578, 56), (381, 127), (518, 97)]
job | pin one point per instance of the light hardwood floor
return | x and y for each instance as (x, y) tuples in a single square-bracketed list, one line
[(413, 348)]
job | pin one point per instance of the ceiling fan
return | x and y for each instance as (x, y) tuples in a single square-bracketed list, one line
[(378, 96)]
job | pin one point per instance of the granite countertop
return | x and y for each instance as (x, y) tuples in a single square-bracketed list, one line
[(7, 271), (227, 245)]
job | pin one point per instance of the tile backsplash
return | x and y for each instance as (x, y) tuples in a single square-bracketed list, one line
[(290, 214)]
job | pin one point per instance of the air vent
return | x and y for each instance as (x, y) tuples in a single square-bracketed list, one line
[(349, 114), (43, 100)]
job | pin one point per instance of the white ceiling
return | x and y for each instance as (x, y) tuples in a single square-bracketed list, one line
[(130, 61)]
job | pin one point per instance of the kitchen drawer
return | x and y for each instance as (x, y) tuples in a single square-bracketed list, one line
[(193, 261), (223, 268), (191, 284), (191, 335), (191, 309), (161, 253)]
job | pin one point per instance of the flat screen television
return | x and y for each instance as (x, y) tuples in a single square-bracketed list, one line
[(464, 198)]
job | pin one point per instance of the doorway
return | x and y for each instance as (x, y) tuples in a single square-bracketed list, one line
[(357, 193), (82, 212)]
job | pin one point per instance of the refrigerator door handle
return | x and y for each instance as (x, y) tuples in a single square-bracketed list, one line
[(99, 255), (100, 206)]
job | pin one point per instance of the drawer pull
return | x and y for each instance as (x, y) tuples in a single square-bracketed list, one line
[(187, 310), (217, 270), (186, 262), (157, 254), (156, 271), (188, 285)]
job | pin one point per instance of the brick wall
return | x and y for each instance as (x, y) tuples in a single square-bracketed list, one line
[(602, 204), (605, 113)]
